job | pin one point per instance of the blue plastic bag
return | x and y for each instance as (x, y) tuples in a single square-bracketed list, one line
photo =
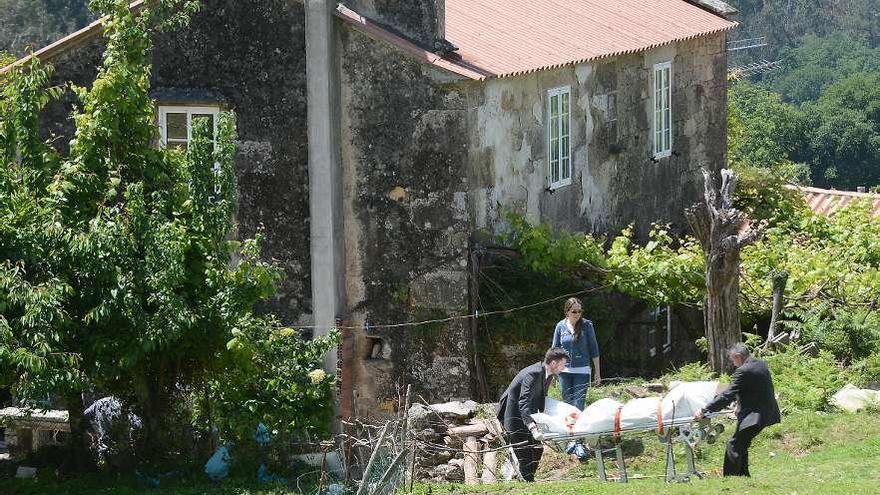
[(217, 467)]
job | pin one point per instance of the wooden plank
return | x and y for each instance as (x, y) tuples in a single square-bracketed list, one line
[(473, 430)]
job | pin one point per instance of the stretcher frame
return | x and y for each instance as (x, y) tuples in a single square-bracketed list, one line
[(688, 431)]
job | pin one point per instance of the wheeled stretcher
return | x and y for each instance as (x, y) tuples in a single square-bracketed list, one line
[(671, 418)]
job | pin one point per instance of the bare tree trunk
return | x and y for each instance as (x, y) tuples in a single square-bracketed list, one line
[(779, 281), (79, 456), (722, 231)]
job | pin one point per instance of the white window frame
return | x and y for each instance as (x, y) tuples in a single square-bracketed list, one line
[(562, 146), (661, 91), (164, 110)]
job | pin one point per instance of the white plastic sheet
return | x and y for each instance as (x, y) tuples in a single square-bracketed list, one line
[(608, 415), (853, 399)]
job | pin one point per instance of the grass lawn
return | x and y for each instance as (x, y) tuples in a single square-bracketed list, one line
[(810, 453), (813, 453)]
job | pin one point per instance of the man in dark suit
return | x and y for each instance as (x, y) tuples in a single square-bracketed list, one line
[(524, 397), (752, 387)]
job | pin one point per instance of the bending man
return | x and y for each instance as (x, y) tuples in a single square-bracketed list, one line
[(752, 387), (525, 396)]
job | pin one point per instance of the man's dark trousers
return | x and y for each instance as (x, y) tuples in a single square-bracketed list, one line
[(528, 455), (736, 457), (525, 395)]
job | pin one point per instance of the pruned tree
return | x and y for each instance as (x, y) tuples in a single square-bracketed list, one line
[(722, 231)]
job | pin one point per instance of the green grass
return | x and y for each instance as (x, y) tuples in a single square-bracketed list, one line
[(809, 453)]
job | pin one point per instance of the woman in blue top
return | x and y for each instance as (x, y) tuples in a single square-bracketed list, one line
[(576, 335)]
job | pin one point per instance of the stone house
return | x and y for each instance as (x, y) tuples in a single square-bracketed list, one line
[(380, 140)]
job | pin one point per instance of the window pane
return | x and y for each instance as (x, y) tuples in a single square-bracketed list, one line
[(554, 107), (566, 169), (554, 171), (564, 151), (565, 103), (175, 126), (564, 123)]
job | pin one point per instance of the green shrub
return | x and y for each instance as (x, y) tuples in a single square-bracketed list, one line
[(805, 383), (850, 334), (690, 372), (277, 379), (866, 371)]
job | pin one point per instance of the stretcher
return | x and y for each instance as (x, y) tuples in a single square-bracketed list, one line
[(606, 422)]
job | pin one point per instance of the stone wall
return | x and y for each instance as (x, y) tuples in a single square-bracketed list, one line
[(614, 181), (415, 19), (406, 225)]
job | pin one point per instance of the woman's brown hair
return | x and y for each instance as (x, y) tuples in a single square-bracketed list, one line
[(579, 326)]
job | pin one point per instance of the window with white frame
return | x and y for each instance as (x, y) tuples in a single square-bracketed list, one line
[(176, 123), (559, 136), (662, 109)]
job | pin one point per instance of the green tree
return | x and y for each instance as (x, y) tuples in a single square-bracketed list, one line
[(815, 63), (117, 267), (764, 131), (845, 137)]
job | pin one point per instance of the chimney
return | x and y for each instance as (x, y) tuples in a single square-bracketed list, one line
[(422, 21)]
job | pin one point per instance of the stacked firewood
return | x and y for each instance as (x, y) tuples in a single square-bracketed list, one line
[(457, 442)]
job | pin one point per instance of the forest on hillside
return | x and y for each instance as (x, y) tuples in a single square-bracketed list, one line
[(815, 119), (31, 24)]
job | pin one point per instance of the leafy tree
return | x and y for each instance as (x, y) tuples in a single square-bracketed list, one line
[(117, 268), (817, 62), (765, 132), (845, 140)]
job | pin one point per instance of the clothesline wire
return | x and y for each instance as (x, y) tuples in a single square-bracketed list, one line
[(477, 314)]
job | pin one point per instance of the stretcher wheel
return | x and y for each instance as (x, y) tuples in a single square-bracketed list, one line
[(719, 428), (710, 439)]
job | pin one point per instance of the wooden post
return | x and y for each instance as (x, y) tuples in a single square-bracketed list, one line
[(780, 278), (722, 231), (365, 478), (490, 466), (471, 461)]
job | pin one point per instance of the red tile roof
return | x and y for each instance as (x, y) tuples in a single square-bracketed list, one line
[(510, 37), (498, 38), (828, 201)]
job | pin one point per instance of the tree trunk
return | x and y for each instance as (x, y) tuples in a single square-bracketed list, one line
[(722, 231), (79, 458), (779, 281), (721, 308)]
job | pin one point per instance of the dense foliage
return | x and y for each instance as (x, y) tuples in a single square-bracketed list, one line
[(833, 267), (117, 269)]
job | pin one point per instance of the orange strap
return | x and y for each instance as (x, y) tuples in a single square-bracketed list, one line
[(617, 422), (659, 417)]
